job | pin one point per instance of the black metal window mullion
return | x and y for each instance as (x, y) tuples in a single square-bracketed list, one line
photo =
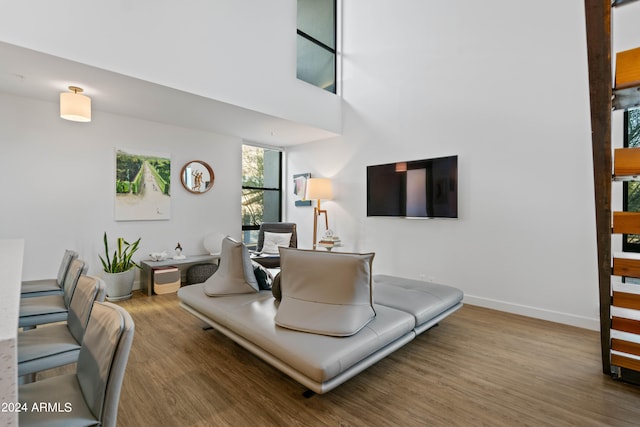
[(246, 187), (627, 245), (316, 41)]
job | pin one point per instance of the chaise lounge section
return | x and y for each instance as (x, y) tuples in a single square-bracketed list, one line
[(278, 331)]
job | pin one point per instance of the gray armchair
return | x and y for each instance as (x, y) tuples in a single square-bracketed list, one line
[(273, 261)]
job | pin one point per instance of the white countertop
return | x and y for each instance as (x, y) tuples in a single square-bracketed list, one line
[(11, 254)]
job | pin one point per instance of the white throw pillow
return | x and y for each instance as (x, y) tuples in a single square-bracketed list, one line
[(274, 240)]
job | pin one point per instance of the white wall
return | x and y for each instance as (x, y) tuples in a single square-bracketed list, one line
[(503, 85), (57, 184), (243, 53)]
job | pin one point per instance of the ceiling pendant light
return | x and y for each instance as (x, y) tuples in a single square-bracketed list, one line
[(74, 106)]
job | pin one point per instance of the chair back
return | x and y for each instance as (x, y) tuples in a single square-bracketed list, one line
[(88, 290), (69, 256), (71, 279), (277, 227), (103, 360)]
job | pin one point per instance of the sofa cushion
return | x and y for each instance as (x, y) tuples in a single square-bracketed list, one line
[(325, 293), (319, 357), (235, 272), (423, 300), (263, 276), (275, 288), (272, 241)]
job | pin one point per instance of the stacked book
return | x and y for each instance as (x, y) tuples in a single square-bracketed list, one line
[(329, 242)]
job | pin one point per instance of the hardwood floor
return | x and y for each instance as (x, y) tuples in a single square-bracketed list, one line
[(479, 367)]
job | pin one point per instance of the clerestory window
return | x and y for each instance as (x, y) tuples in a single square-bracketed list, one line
[(316, 43)]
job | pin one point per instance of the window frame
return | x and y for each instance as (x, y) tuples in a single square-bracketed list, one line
[(333, 51), (253, 227), (627, 246)]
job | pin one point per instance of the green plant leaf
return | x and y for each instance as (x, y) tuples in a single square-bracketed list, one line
[(122, 255)]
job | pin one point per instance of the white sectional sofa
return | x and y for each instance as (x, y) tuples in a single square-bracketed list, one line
[(309, 335)]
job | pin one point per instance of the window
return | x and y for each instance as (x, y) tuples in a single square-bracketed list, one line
[(261, 189), (631, 189), (317, 43)]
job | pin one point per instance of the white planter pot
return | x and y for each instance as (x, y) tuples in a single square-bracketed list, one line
[(119, 285)]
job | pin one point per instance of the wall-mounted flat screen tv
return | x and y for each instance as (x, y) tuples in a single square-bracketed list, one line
[(419, 189)]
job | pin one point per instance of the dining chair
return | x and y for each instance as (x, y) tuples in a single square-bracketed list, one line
[(40, 349), (90, 396), (40, 287), (51, 308)]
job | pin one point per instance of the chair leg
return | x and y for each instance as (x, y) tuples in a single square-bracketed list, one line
[(26, 379)]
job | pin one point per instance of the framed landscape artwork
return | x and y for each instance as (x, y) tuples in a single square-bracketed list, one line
[(143, 186), (300, 187)]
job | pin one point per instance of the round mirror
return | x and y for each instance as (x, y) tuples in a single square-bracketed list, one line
[(197, 177)]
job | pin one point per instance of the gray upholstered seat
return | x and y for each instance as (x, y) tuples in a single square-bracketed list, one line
[(34, 288), (273, 261), (410, 295), (324, 338), (51, 308), (57, 345), (90, 396)]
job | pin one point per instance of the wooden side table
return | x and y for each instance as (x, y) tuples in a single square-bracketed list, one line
[(146, 276)]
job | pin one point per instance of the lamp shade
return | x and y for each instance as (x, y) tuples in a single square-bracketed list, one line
[(319, 188), (74, 106)]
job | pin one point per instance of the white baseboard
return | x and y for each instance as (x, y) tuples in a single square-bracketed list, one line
[(535, 312), (523, 310)]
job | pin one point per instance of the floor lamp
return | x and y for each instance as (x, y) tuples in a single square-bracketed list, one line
[(317, 189)]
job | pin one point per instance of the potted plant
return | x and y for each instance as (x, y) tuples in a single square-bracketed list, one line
[(119, 268)]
